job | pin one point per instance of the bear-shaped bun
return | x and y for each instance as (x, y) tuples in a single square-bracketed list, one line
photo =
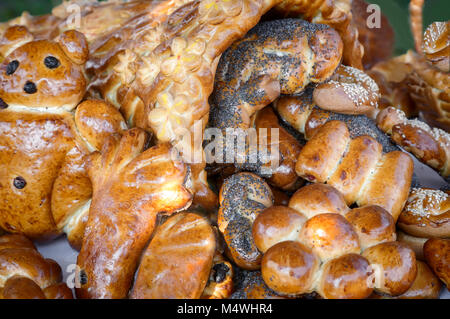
[(46, 135), (45, 73)]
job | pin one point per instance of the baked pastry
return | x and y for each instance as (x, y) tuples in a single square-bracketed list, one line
[(242, 197), (429, 82), (349, 91), (220, 283), (130, 188), (25, 274), (357, 168), (301, 114), (315, 244), (392, 78), (425, 286), (178, 261), (426, 213), (161, 74), (46, 134), (415, 243), (437, 256), (429, 145), (273, 65)]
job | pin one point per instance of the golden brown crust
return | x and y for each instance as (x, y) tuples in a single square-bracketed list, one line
[(330, 236), (426, 213), (276, 224), (283, 176), (242, 198), (34, 82), (383, 181), (178, 260), (391, 77), (430, 90), (373, 225), (415, 243), (142, 185), (321, 155), (352, 271), (437, 256), (25, 274), (220, 284), (289, 268), (430, 145), (337, 240), (315, 199), (394, 265), (436, 46), (415, 12), (389, 185), (159, 68), (45, 145), (425, 286), (349, 91)]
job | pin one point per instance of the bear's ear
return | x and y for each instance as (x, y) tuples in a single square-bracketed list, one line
[(75, 46), (14, 37)]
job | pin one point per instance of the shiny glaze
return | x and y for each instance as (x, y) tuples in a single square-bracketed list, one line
[(361, 158), (322, 153), (284, 176), (25, 274), (426, 214), (329, 236), (394, 265), (276, 224), (315, 199), (389, 185), (178, 260), (289, 268), (346, 277), (437, 255), (425, 286), (63, 86), (43, 144), (373, 225), (130, 188)]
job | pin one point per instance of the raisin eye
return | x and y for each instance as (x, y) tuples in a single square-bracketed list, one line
[(51, 62), (30, 87), (83, 278), (12, 67), (3, 104), (19, 182)]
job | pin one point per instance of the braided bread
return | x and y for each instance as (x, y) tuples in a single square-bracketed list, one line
[(306, 249), (46, 134), (161, 74), (25, 274), (242, 197), (429, 145), (426, 213), (429, 83), (301, 113), (357, 167), (130, 188)]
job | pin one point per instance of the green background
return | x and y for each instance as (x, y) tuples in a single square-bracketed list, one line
[(395, 10)]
